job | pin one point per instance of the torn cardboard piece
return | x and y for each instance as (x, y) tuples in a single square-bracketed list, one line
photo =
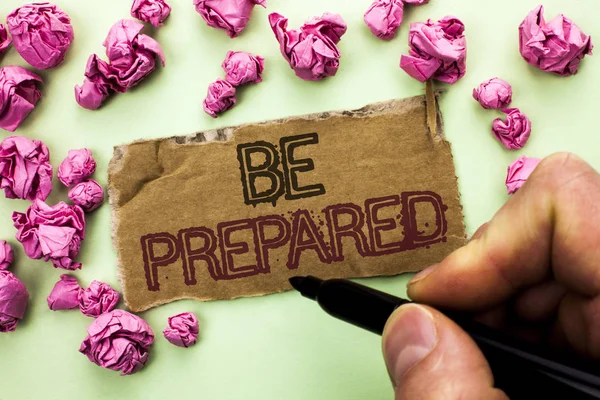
[(237, 211)]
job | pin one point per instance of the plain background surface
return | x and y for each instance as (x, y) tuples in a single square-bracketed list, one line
[(279, 346)]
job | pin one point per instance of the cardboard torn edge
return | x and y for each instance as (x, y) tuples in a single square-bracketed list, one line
[(112, 202), (435, 124), (227, 133), (114, 166)]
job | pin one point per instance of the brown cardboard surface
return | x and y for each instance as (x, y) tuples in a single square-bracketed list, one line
[(237, 211)]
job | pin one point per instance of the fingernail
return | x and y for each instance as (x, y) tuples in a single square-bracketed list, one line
[(423, 274), (411, 338)]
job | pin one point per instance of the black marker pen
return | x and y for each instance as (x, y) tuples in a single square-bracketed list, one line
[(522, 369)]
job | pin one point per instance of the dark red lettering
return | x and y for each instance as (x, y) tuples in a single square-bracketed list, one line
[(263, 244), (377, 225), (353, 229), (204, 253), (152, 260), (229, 249), (306, 236), (413, 238), (247, 242)]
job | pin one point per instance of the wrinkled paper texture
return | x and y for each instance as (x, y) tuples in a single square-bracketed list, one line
[(25, 169), (312, 50), (65, 294), (41, 33), (515, 131), (220, 97), (19, 94), (182, 329), (54, 232), (13, 301), (153, 11), (5, 39), (88, 195), (518, 172), (242, 68), (76, 167), (493, 94), (98, 299), (557, 46), (119, 341), (383, 18), (6, 255), (437, 51), (229, 15), (131, 58)]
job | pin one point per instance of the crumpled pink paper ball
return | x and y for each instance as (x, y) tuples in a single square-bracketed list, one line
[(88, 195), (119, 341), (437, 51), (518, 172), (229, 15), (42, 34), (7, 255), (65, 294), (19, 94), (52, 232), (220, 97), (131, 57), (97, 85), (97, 299), (25, 170), (493, 94), (384, 17), (153, 11), (312, 50), (76, 167), (557, 46), (182, 329), (5, 39), (13, 301), (241, 68), (514, 132)]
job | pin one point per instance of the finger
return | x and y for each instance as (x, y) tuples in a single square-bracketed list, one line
[(557, 338), (479, 231), (429, 357), (495, 318), (544, 230), (580, 325), (540, 302), (504, 319)]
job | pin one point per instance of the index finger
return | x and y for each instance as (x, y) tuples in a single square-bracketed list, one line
[(550, 228)]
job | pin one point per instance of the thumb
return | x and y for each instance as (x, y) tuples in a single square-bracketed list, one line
[(428, 356)]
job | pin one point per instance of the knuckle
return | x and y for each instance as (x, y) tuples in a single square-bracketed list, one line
[(562, 160), (563, 170), (561, 164), (591, 315)]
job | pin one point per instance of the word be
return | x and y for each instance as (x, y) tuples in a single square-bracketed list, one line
[(282, 181)]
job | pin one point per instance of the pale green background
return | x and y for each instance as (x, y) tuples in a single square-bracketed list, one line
[(279, 346)]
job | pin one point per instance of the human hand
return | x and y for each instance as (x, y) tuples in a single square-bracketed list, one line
[(535, 264)]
